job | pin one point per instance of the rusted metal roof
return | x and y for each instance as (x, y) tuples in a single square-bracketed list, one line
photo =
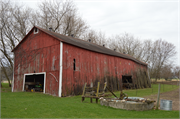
[(88, 45)]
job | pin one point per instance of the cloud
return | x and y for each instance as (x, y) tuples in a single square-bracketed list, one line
[(147, 20)]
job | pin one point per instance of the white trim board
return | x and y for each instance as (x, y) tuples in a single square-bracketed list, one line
[(33, 74), (60, 68)]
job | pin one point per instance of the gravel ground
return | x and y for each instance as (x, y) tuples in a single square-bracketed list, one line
[(171, 95)]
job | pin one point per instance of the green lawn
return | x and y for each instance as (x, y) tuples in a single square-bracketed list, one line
[(38, 105), (149, 91), (5, 87)]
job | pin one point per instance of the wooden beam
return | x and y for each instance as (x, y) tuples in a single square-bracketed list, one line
[(159, 88), (84, 89), (105, 84), (111, 92), (97, 94)]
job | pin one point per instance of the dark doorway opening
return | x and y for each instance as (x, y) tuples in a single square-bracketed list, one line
[(127, 82), (34, 83)]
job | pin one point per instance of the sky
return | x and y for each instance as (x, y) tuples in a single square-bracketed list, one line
[(145, 19)]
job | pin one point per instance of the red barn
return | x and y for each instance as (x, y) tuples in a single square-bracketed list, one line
[(60, 65)]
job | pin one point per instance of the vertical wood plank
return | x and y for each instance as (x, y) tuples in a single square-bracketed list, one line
[(104, 87), (84, 89), (91, 100), (97, 94), (96, 100)]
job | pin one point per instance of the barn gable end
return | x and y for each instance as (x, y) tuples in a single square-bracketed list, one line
[(37, 52)]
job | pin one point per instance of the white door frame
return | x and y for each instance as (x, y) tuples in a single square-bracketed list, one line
[(35, 74)]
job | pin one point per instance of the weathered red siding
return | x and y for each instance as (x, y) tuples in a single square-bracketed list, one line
[(39, 53), (93, 67)]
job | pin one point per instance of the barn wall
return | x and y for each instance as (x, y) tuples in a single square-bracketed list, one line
[(38, 53), (94, 67)]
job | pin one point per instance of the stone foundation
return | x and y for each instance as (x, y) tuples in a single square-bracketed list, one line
[(128, 105)]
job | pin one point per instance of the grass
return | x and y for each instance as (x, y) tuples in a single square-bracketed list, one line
[(149, 91), (38, 105), (5, 87)]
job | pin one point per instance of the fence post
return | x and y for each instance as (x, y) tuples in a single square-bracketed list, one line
[(163, 86), (159, 88)]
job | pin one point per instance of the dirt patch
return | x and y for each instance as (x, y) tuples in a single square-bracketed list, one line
[(171, 95)]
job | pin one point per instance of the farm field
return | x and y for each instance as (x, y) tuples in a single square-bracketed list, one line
[(163, 80), (38, 105)]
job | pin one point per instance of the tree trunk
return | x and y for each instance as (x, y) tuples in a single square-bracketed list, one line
[(155, 79), (4, 70)]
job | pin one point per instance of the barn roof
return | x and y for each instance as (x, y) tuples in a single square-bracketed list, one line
[(86, 45)]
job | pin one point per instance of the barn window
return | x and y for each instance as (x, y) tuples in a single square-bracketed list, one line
[(36, 30), (74, 64), (127, 81)]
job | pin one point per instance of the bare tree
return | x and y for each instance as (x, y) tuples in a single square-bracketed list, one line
[(176, 72), (14, 25), (166, 72), (62, 16), (96, 37), (144, 51), (7, 72), (162, 52), (4, 46), (126, 43)]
